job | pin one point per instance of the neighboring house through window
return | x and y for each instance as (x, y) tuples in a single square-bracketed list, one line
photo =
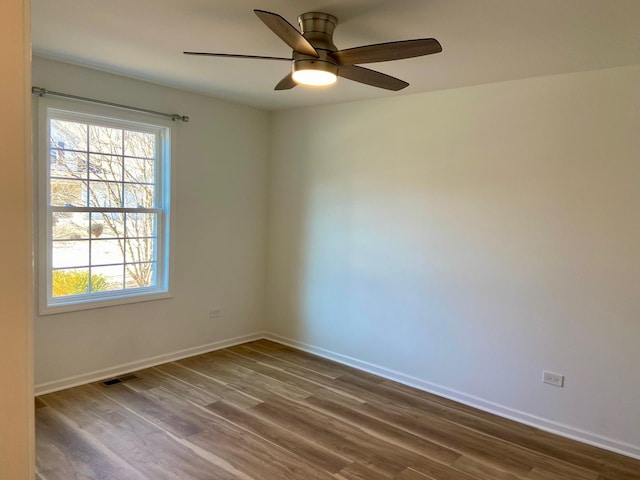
[(104, 197)]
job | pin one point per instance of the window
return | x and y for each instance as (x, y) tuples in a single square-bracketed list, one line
[(103, 224)]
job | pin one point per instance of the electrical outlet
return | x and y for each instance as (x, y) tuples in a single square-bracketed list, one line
[(215, 312), (554, 379)]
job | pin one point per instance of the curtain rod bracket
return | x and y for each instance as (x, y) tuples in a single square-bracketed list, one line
[(183, 118)]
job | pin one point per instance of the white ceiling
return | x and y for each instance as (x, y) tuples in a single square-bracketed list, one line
[(483, 41)]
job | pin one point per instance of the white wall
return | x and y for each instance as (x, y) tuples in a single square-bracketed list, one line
[(468, 239), (219, 236)]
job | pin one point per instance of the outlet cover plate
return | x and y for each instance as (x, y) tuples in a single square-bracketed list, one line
[(554, 379)]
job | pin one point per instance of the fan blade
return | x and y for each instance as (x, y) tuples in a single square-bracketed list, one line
[(371, 77), (234, 55), (287, 32), (286, 83), (382, 52)]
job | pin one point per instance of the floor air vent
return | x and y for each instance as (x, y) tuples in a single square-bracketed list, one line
[(116, 381)]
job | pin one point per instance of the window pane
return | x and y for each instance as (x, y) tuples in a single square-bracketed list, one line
[(70, 226), (70, 254), (105, 167), (107, 225), (68, 193), (139, 170), (68, 164), (138, 196), (68, 135), (106, 252), (105, 140), (140, 249), (69, 282), (105, 194), (141, 224), (139, 144), (139, 275), (107, 279)]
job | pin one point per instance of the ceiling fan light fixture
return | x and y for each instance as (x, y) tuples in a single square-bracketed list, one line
[(316, 61), (314, 78), (314, 73)]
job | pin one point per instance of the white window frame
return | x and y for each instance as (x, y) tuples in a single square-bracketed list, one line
[(114, 117)]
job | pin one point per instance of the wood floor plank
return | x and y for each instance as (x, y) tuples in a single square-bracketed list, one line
[(383, 458), (474, 442), (410, 474), (538, 473), (469, 442), (397, 436), (176, 423), (209, 384), (320, 373), (358, 471), (153, 378), (215, 429), (385, 432), (303, 447), (67, 453), (138, 442), (613, 473), (507, 438), (518, 433), (308, 360), (383, 451), (482, 469), (283, 354), (263, 411), (241, 378), (256, 458), (302, 379), (443, 472)]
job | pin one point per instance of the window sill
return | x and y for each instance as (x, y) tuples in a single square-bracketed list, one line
[(78, 305)]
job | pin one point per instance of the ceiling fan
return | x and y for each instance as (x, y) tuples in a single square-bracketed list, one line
[(316, 61)]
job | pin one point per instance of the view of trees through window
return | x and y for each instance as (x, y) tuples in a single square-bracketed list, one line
[(102, 202)]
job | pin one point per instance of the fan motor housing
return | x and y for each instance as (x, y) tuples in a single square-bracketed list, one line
[(318, 28)]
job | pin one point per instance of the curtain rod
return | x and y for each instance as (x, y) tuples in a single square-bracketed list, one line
[(42, 92)]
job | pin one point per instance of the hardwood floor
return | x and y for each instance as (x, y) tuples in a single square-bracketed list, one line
[(262, 411)]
